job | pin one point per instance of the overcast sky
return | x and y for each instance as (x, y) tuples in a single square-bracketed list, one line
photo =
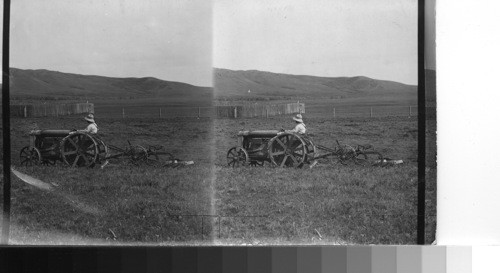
[(170, 40), (374, 38)]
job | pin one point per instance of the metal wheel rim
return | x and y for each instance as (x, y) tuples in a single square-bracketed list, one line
[(236, 157), (82, 158), (30, 156), (284, 154)]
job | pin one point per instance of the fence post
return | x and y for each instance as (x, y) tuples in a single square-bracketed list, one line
[(333, 112), (45, 109), (160, 112), (199, 110), (25, 112), (235, 112), (123, 112), (409, 111), (371, 112)]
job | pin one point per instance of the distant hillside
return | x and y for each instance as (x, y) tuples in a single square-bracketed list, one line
[(51, 84), (229, 83)]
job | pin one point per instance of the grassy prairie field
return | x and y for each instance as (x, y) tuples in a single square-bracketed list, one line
[(121, 203), (330, 203)]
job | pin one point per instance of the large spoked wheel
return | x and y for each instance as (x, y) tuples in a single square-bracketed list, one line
[(79, 150), (287, 150), (30, 156), (237, 156)]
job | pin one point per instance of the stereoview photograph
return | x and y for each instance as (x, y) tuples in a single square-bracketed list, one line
[(216, 123)]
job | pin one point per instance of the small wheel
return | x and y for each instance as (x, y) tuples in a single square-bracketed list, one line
[(79, 150), (237, 156), (30, 156), (138, 154), (287, 150), (347, 154), (159, 158)]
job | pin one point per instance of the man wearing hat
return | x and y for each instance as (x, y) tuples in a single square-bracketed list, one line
[(92, 127), (300, 127)]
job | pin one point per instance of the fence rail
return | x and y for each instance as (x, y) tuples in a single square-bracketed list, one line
[(259, 110), (50, 110)]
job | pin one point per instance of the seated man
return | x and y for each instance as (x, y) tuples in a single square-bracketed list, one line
[(300, 127), (92, 126)]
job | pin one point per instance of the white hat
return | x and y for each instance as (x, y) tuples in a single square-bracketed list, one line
[(90, 118), (298, 118)]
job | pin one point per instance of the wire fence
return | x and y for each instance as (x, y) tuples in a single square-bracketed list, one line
[(362, 111), (324, 111), (235, 112)]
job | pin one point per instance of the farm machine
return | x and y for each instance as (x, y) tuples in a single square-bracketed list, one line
[(79, 149), (284, 149)]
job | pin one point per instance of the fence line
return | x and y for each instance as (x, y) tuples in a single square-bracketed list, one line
[(259, 110), (50, 110), (247, 111)]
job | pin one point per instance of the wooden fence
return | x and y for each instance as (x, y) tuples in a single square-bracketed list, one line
[(50, 110), (259, 110)]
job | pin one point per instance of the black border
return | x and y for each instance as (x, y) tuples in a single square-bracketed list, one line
[(6, 122), (421, 125)]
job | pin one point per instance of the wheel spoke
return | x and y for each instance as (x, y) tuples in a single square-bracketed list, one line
[(69, 153), (294, 159), (299, 146), (281, 143), (284, 160), (91, 146), (72, 142), (89, 154), (277, 153), (76, 160)]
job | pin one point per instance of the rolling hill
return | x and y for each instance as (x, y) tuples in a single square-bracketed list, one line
[(230, 83), (48, 84)]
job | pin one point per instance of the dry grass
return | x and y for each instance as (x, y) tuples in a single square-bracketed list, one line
[(127, 203), (331, 203)]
